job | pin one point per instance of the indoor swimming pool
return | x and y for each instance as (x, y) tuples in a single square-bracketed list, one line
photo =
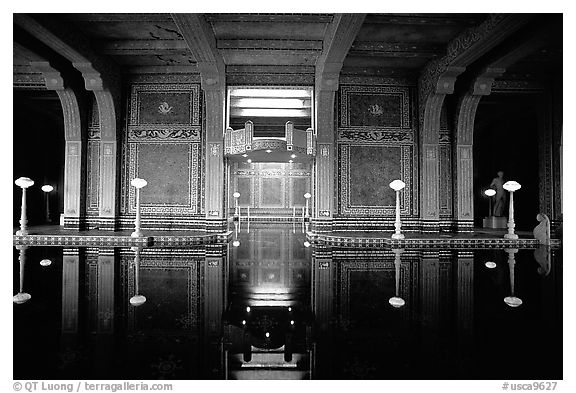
[(270, 305)]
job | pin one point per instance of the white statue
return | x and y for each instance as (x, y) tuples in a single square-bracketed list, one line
[(542, 230), (500, 197)]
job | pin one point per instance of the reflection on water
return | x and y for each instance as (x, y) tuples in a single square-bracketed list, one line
[(268, 306)]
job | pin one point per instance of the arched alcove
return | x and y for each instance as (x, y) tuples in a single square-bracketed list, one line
[(38, 149), (506, 139)]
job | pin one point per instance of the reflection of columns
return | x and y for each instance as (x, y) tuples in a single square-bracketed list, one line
[(105, 291), (466, 112), (323, 309), (70, 290), (430, 280), (103, 339), (215, 269), (70, 282), (465, 308)]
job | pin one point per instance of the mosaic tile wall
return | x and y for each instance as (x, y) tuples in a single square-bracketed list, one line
[(376, 144), (163, 145)]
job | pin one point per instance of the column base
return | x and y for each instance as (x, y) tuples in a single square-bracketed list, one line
[(397, 236), (22, 232), (512, 236)]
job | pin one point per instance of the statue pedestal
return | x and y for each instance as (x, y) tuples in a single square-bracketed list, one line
[(495, 222)]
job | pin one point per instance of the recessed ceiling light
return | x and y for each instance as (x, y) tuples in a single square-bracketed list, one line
[(268, 151), (244, 155), (290, 161), (249, 161), (293, 156)]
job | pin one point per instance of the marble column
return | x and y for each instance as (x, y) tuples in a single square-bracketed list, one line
[(325, 161), (214, 199)]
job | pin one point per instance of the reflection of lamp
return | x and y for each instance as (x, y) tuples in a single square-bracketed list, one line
[(23, 183), (511, 186), (236, 195), (138, 184), (47, 189), (397, 301), (512, 300), (397, 185), (137, 299), (307, 196), (45, 262), (306, 243), (490, 193), (21, 297)]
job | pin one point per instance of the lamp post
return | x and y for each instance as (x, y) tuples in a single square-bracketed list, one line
[(490, 193), (511, 186), (307, 196), (512, 300), (23, 183), (138, 184), (397, 185), (137, 299), (21, 297), (47, 189), (397, 301), (236, 195)]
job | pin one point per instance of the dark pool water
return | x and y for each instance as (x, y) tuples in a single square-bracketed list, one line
[(271, 307)]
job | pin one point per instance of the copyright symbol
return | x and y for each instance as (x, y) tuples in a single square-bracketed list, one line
[(17, 386)]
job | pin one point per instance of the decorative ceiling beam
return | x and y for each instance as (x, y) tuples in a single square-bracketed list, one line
[(277, 18), (52, 77), (200, 39), (142, 47), (338, 39), (424, 19), (270, 44), (395, 49), (72, 45), (439, 75), (114, 18)]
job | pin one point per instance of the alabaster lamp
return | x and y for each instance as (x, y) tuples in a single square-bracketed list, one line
[(21, 297), (138, 184), (137, 299), (396, 301), (512, 300), (23, 183), (397, 185), (511, 186), (490, 193), (47, 188)]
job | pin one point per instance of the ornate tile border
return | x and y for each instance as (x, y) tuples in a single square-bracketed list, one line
[(435, 243)]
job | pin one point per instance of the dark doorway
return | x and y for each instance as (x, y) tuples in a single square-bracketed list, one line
[(38, 153)]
